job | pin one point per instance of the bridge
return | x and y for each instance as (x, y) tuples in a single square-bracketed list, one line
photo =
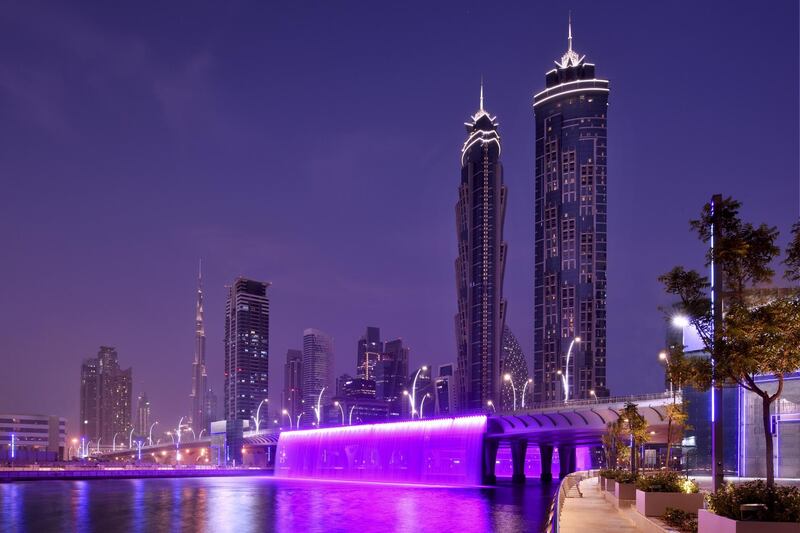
[(557, 426)]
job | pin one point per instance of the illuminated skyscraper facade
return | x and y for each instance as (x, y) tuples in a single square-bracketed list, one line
[(293, 383), (317, 373), (480, 265), (513, 363), (106, 392), (246, 348), (570, 230)]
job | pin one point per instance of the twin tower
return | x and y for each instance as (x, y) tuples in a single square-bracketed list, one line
[(569, 249)]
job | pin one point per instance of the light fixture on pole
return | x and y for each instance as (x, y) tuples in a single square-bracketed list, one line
[(350, 416), (318, 409), (523, 390), (422, 404), (150, 433), (414, 391), (565, 375), (664, 356), (286, 413), (490, 403), (258, 414), (410, 402), (337, 404), (507, 377)]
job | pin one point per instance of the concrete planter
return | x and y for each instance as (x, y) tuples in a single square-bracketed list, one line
[(610, 486), (656, 503), (708, 522), (625, 491)]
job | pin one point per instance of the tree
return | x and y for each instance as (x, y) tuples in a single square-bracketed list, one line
[(742, 254), (613, 443), (762, 340), (680, 371), (637, 428), (792, 260)]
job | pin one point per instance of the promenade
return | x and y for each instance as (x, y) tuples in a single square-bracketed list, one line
[(591, 512)]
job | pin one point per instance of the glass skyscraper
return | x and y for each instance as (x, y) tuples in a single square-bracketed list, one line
[(570, 230), (480, 264), (246, 348), (317, 368)]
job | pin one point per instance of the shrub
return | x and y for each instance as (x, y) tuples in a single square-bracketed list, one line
[(606, 473), (783, 503), (623, 476), (667, 482), (681, 520)]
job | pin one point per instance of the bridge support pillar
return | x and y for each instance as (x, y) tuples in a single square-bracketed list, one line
[(566, 460), (518, 450), (489, 461), (546, 455)]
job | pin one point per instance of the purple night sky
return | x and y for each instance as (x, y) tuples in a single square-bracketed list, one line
[(317, 147)]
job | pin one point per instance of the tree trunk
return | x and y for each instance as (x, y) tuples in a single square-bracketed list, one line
[(765, 403), (669, 441)]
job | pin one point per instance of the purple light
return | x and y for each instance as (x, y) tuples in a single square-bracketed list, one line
[(441, 451), (13, 446)]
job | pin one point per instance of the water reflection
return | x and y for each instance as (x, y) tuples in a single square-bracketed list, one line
[(267, 504)]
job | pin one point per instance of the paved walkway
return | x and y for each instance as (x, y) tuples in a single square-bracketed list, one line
[(592, 512)]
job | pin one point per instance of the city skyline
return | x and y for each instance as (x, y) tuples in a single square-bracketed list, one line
[(339, 295)]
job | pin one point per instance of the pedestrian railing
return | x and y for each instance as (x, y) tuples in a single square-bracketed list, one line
[(564, 488)]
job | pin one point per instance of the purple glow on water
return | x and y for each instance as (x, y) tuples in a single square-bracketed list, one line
[(440, 452)]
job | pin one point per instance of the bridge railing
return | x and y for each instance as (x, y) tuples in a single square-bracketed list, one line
[(572, 480), (561, 404)]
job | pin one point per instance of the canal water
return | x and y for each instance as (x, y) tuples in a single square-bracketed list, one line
[(269, 504)]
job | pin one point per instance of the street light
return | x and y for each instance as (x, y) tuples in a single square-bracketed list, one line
[(594, 395), (565, 375), (410, 401), (523, 390), (507, 377), (258, 413), (178, 433), (663, 356), (337, 404), (298, 420), (150, 437), (114, 442), (97, 450), (490, 403), (286, 413), (414, 391), (130, 439), (200, 436), (680, 321), (422, 405), (350, 416), (318, 409)]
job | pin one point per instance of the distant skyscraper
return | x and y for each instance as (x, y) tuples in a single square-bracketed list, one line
[(390, 377), (513, 363), (317, 371), (293, 383), (142, 414), (370, 350), (570, 230), (105, 396), (446, 401), (246, 348), (199, 418), (480, 265)]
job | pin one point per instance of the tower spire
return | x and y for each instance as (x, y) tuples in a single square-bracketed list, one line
[(481, 108), (569, 30)]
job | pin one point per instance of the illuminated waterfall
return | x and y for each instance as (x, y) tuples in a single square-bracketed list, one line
[(440, 451)]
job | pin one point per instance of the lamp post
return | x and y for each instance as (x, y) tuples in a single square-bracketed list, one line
[(490, 403), (97, 450), (318, 409), (194, 437), (422, 405), (507, 377), (150, 437), (414, 391), (130, 439), (200, 436), (258, 413), (523, 390), (114, 442), (593, 394), (171, 437), (410, 401), (298, 420), (350, 416), (286, 414), (664, 356), (565, 375), (178, 433), (337, 404)]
